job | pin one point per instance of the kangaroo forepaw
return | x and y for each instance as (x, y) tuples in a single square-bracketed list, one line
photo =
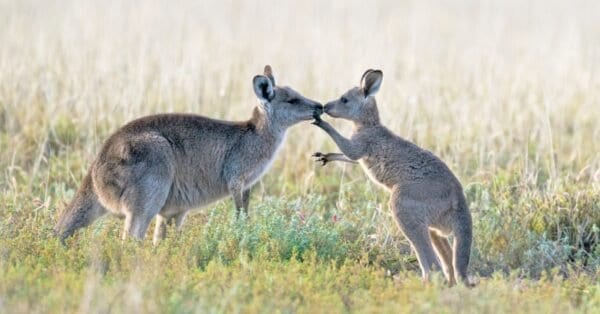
[(317, 118), (320, 157), (321, 123)]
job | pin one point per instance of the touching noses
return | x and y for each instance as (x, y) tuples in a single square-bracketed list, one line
[(318, 109)]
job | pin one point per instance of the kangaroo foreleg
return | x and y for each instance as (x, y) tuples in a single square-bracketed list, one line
[(351, 149)]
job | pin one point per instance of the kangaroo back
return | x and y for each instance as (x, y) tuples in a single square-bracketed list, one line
[(81, 212)]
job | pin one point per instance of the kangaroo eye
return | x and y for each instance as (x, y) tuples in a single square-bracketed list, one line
[(294, 101), (343, 100)]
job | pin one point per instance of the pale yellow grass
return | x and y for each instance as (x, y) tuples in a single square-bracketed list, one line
[(477, 83)]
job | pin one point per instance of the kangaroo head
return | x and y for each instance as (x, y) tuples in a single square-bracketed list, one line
[(358, 104), (283, 105)]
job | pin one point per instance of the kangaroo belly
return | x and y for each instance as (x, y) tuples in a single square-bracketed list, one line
[(378, 172), (195, 187)]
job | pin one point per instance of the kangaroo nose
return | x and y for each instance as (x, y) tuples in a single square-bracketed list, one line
[(318, 109)]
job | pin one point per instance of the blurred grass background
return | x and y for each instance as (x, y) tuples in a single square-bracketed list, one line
[(506, 92)]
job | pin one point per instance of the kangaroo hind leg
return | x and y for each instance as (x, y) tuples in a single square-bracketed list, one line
[(444, 253), (141, 202), (162, 222), (411, 223)]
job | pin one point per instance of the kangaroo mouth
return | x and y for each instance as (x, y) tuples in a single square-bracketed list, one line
[(327, 109), (317, 112), (331, 114)]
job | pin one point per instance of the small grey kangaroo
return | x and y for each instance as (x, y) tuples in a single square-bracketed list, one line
[(427, 200), (164, 165)]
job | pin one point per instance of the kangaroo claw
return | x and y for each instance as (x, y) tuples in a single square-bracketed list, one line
[(323, 161), (320, 157)]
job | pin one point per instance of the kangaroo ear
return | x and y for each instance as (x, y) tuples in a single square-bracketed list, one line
[(371, 82), (263, 88), (362, 78), (269, 73)]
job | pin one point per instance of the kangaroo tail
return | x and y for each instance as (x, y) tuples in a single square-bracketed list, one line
[(81, 212), (463, 236)]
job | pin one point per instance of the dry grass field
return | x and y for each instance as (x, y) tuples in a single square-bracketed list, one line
[(506, 92)]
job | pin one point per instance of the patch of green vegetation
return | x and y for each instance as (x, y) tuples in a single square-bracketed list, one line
[(300, 255)]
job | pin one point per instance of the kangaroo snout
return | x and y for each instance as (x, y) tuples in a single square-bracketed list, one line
[(329, 109), (318, 110)]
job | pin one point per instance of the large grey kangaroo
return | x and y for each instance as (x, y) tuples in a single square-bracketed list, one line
[(164, 165), (427, 199)]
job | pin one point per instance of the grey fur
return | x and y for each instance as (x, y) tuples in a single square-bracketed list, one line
[(426, 198), (164, 165)]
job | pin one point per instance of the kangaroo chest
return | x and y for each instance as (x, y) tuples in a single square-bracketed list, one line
[(380, 162), (378, 171), (261, 159)]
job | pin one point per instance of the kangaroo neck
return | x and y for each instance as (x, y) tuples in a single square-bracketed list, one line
[(372, 121), (264, 126), (370, 116)]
